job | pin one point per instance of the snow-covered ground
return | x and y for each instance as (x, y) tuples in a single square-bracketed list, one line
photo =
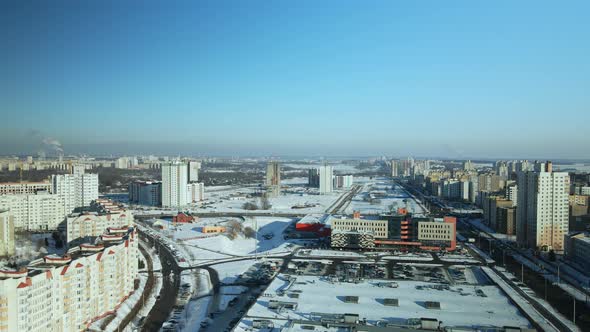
[(381, 195), (229, 272), (269, 240), (460, 306)]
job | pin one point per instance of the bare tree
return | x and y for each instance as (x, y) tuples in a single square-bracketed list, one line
[(249, 232), (250, 206)]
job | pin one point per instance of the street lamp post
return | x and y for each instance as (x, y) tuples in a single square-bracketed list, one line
[(574, 318)]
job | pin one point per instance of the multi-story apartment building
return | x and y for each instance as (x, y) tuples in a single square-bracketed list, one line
[(68, 293), (326, 172), (34, 212), (77, 189), (343, 181), (6, 233), (542, 216), (273, 179), (195, 192), (506, 220), (193, 171), (89, 225), (512, 193), (313, 177), (174, 181), (394, 168), (577, 248), (23, 188), (145, 193)]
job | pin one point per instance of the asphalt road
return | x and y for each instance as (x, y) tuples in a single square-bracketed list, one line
[(162, 308)]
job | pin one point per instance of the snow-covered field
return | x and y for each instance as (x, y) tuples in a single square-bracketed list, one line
[(220, 246), (305, 200), (229, 272), (460, 306), (381, 195)]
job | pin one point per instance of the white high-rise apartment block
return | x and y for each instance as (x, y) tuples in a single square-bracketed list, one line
[(326, 174), (39, 212), (468, 166), (543, 214), (6, 233), (174, 184), (77, 189), (512, 194), (193, 171), (195, 192), (394, 168)]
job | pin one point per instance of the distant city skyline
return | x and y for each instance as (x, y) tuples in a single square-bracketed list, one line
[(459, 80)]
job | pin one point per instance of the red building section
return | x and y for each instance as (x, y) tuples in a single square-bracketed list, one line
[(183, 218)]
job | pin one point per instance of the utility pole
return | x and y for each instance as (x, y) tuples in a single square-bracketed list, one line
[(574, 320), (522, 272)]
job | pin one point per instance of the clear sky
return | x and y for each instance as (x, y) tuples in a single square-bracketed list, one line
[(427, 78)]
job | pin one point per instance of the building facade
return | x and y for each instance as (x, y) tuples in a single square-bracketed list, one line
[(273, 179), (34, 212), (193, 171), (6, 233), (543, 213), (145, 193), (23, 188), (577, 248), (195, 192), (76, 190), (69, 293), (89, 225), (325, 173), (174, 184)]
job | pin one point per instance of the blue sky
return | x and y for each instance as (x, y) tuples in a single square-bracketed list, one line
[(427, 78)]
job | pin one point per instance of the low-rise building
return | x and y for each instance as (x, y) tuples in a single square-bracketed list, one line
[(213, 229), (438, 234)]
